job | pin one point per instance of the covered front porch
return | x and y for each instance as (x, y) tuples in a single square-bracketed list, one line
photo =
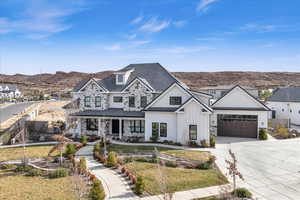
[(123, 125)]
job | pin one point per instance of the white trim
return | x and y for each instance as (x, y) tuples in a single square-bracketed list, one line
[(141, 81), (189, 101), (92, 79)]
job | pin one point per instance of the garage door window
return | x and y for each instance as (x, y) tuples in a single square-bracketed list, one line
[(193, 132)]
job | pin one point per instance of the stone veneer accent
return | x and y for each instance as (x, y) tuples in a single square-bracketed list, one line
[(137, 90)]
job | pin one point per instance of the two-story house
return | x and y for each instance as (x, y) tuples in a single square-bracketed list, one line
[(145, 101)]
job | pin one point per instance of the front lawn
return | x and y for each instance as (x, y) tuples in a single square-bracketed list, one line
[(178, 179), (190, 155), (133, 149), (31, 152), (19, 187)]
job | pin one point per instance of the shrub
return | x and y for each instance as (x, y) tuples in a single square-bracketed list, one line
[(263, 134), (61, 172), (212, 141), (193, 144), (6, 166), (84, 140), (205, 165), (97, 148), (154, 138), (82, 165), (242, 193), (283, 132), (97, 191), (139, 186), (111, 159), (133, 179), (70, 150), (171, 164), (128, 159), (22, 168), (204, 144), (34, 172), (123, 170), (211, 159), (177, 144)]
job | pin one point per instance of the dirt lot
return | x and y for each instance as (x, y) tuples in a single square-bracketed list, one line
[(52, 111)]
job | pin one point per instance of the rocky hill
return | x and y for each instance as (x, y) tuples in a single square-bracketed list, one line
[(66, 80)]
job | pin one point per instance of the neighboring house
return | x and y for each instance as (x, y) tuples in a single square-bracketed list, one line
[(144, 101), (9, 91), (285, 104), (219, 91)]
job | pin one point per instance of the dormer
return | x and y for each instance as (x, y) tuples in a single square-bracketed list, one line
[(122, 76)]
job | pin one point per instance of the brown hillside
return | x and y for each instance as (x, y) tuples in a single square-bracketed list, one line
[(66, 80)]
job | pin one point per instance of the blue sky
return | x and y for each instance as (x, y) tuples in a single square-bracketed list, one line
[(183, 35)]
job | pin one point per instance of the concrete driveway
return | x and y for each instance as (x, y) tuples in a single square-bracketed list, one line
[(271, 168)]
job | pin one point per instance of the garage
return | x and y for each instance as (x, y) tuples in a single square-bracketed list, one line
[(237, 125)]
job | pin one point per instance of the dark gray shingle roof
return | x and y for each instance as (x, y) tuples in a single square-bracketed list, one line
[(286, 94), (10, 86), (111, 112), (153, 73)]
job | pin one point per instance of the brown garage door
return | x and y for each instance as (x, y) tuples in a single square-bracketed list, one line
[(237, 126)]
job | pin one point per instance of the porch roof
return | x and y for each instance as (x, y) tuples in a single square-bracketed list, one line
[(111, 112)]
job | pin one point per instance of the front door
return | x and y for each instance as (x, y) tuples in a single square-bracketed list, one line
[(115, 126)]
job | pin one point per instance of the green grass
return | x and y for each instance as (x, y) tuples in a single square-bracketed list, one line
[(30, 152), (191, 155), (178, 179), (133, 149), (19, 187)]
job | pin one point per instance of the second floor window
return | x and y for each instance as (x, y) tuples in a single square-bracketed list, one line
[(98, 101), (118, 99), (143, 101), (131, 101), (87, 101), (175, 100)]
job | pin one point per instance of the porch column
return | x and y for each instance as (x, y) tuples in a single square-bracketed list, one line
[(120, 128), (99, 126)]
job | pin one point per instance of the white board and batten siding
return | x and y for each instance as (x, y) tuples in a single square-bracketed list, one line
[(193, 115), (286, 110)]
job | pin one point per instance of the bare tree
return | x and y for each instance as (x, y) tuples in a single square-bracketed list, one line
[(62, 141), (232, 169), (162, 180)]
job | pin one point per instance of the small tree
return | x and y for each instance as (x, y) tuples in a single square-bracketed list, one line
[(233, 170), (97, 148), (84, 140), (139, 186), (70, 150), (112, 159)]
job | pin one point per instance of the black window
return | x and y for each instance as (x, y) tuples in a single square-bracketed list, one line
[(137, 126), (143, 101), (97, 101), (92, 124), (118, 99), (155, 129), (193, 132), (131, 101), (163, 130), (175, 100), (120, 78), (87, 101)]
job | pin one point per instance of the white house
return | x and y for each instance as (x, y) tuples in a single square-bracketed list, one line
[(9, 91), (145, 101), (285, 104)]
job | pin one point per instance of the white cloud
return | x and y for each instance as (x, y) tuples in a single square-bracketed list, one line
[(131, 36), (184, 49), (139, 43), (155, 25), (203, 5), (113, 47), (179, 23), (258, 28), (40, 20), (137, 20)]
